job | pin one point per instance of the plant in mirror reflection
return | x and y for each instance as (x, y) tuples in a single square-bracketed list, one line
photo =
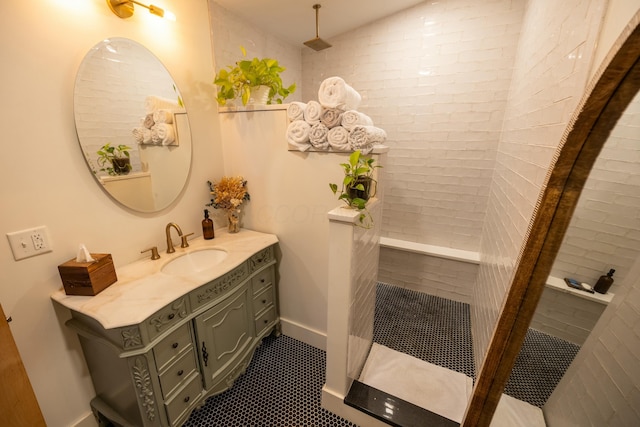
[(114, 160)]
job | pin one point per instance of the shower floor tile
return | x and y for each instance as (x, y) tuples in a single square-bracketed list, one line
[(434, 388), (444, 392)]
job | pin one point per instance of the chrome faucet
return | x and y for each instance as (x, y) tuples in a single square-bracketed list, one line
[(170, 248)]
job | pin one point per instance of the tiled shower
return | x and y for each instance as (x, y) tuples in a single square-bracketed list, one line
[(475, 98)]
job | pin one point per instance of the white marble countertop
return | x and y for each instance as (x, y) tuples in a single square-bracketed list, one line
[(142, 288)]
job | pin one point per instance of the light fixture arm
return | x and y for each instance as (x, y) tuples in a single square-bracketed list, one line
[(124, 8)]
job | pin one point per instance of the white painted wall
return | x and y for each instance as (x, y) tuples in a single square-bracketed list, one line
[(290, 197), (46, 180)]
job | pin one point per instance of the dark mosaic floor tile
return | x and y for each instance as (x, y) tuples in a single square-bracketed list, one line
[(281, 388), (427, 327), (542, 362)]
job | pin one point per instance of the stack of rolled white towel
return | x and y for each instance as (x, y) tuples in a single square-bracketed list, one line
[(332, 123), (156, 128)]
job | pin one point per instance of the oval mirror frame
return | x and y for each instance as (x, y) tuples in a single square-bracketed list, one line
[(604, 102), (119, 86)]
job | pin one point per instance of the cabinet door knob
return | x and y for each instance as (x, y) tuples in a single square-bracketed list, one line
[(266, 321), (174, 345), (186, 399), (171, 316), (261, 280), (180, 372), (264, 301)]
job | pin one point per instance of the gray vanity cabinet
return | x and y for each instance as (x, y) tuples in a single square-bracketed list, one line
[(155, 373), (224, 336)]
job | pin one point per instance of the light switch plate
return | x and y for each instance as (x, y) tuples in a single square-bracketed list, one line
[(30, 242)]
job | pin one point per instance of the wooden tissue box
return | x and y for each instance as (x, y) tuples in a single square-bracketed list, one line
[(88, 278)]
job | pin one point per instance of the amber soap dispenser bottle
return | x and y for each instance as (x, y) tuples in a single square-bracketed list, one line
[(604, 282), (207, 226)]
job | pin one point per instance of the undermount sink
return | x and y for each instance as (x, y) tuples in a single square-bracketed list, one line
[(194, 262)]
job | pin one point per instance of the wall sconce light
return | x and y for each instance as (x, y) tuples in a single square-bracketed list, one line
[(124, 9)]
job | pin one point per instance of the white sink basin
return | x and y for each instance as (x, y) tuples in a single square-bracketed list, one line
[(194, 262)]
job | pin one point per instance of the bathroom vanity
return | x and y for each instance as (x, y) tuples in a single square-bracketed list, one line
[(162, 339)]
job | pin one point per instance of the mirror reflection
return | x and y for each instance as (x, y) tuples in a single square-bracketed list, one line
[(604, 234), (132, 125)]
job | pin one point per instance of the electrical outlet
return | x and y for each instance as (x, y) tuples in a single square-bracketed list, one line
[(30, 242)]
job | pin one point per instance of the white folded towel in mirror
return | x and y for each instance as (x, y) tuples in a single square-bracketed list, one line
[(363, 138), (298, 135), (163, 116), (153, 103), (312, 112), (352, 118), (338, 138), (334, 92), (163, 134), (331, 117), (318, 136), (295, 111), (142, 135)]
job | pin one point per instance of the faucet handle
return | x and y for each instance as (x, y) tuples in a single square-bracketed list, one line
[(154, 252), (184, 243)]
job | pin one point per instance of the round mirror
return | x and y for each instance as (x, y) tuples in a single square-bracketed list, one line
[(132, 125)]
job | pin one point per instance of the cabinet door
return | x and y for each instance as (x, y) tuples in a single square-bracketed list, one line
[(224, 336)]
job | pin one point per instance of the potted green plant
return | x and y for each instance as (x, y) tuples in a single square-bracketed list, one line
[(114, 160), (244, 79), (358, 185)]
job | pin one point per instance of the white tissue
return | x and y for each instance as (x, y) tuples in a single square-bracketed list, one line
[(84, 255)]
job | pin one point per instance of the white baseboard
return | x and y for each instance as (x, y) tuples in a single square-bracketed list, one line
[(87, 421), (304, 333)]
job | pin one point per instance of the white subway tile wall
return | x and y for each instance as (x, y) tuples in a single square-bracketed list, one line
[(604, 232), (602, 386), (364, 268), (435, 77), (229, 32), (550, 75), (435, 276), (566, 316)]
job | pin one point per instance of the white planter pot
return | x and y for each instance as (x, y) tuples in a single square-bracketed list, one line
[(259, 95)]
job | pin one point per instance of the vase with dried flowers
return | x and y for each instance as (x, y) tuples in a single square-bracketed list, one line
[(229, 193)]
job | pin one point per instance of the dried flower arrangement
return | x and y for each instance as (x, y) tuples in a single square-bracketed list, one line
[(229, 193)]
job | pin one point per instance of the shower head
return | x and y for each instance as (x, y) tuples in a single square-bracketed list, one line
[(317, 43)]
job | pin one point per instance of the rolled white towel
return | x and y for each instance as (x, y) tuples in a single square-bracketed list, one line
[(312, 112), (352, 118), (153, 103), (363, 138), (295, 111), (163, 116), (142, 135), (331, 117), (148, 121), (338, 138), (318, 136), (298, 135), (335, 93), (163, 134)]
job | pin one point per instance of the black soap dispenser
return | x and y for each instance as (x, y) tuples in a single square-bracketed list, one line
[(207, 226), (604, 282)]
